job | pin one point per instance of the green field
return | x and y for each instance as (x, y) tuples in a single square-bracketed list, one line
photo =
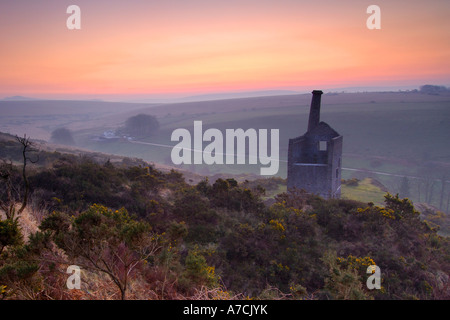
[(366, 191)]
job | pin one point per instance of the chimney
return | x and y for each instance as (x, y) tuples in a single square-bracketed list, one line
[(314, 113)]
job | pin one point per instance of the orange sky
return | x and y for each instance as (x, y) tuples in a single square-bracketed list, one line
[(188, 47)]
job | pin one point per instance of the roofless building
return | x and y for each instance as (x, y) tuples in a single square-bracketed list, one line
[(315, 158)]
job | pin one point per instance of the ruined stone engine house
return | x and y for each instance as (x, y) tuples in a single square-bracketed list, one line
[(315, 158)]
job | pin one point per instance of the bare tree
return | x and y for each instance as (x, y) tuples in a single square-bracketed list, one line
[(444, 180), (8, 202), (104, 240), (428, 177), (448, 203)]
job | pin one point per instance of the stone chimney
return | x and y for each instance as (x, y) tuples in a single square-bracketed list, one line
[(314, 113)]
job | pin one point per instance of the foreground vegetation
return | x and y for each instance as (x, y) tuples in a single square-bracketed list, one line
[(140, 233)]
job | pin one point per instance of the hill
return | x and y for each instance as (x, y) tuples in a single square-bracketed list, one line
[(387, 135), (140, 233)]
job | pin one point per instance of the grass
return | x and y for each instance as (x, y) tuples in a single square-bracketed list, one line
[(366, 191)]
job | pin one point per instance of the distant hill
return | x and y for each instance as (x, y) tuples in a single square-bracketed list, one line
[(219, 96), (18, 98)]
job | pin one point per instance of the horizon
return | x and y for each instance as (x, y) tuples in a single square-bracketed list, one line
[(219, 95), (172, 50)]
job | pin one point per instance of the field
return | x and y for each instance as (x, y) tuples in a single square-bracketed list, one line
[(387, 136)]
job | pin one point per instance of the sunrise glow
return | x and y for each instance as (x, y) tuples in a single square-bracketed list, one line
[(190, 47)]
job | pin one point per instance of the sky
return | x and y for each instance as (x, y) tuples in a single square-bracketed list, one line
[(136, 48)]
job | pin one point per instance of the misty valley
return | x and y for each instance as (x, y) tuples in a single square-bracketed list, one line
[(256, 148)]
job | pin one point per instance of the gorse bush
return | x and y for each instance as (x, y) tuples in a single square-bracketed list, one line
[(143, 233), (104, 240)]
